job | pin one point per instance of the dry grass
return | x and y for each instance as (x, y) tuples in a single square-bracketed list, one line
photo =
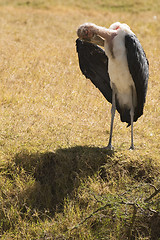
[(53, 120)]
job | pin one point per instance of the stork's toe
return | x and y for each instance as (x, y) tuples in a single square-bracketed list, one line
[(109, 147)]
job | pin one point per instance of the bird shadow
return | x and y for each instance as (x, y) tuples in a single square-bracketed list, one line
[(58, 174)]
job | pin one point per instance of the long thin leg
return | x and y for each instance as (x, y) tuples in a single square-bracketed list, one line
[(132, 117), (113, 109)]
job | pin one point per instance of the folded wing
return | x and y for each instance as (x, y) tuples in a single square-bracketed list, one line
[(94, 65), (139, 69)]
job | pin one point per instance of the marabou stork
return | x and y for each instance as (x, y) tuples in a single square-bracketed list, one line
[(120, 72)]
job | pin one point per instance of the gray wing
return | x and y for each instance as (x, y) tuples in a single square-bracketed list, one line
[(93, 63), (139, 69)]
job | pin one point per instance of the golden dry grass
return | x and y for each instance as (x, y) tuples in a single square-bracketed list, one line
[(43, 90), (46, 105)]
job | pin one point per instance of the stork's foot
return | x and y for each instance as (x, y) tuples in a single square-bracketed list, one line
[(131, 147), (109, 147)]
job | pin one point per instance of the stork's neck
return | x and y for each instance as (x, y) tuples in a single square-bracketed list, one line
[(108, 35), (109, 42)]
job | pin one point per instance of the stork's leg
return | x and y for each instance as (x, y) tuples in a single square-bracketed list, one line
[(134, 99), (132, 117), (113, 109)]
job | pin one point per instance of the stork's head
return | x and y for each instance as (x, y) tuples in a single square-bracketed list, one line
[(86, 31)]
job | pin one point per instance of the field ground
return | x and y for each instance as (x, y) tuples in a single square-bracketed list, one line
[(56, 181)]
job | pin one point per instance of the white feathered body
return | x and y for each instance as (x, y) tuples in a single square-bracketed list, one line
[(118, 69)]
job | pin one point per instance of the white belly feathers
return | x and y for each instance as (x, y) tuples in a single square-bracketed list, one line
[(119, 73)]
